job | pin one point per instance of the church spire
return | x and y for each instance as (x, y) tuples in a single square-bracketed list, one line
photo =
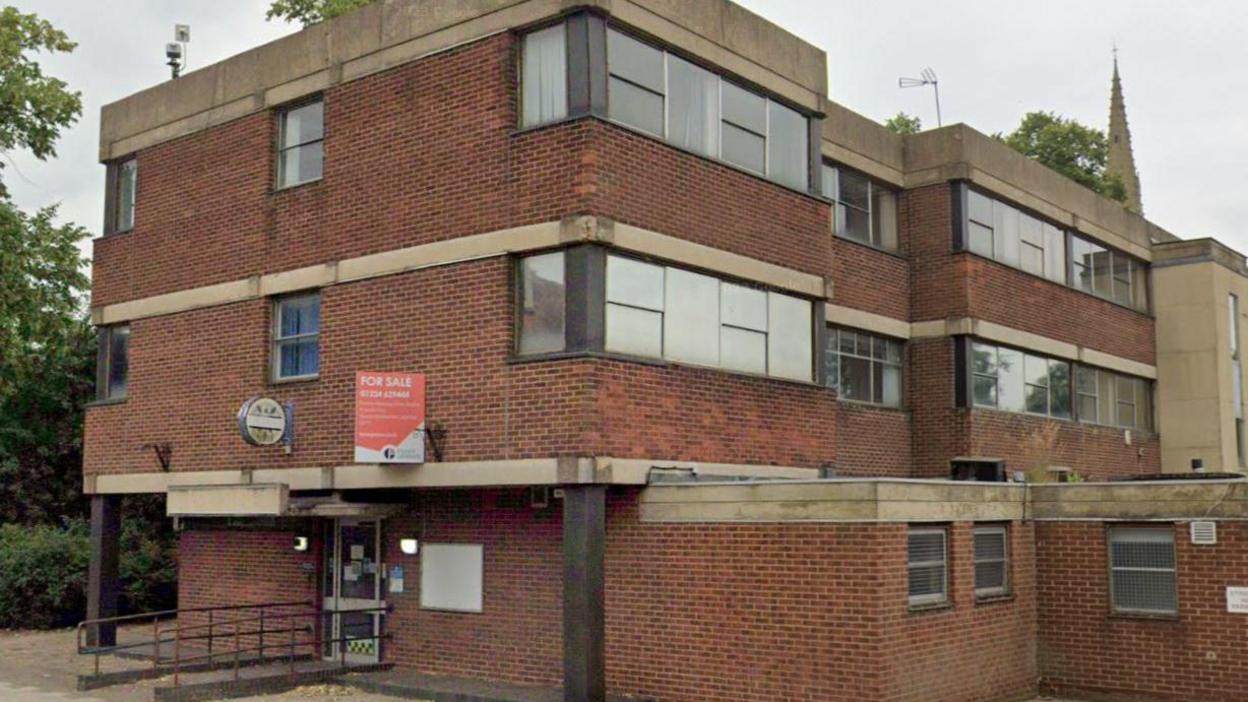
[(1121, 159)]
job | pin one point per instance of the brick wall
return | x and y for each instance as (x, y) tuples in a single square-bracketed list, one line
[(868, 279), (873, 441), (1028, 443), (1086, 650)]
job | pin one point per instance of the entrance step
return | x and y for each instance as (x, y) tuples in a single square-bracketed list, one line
[(258, 680), (406, 684)]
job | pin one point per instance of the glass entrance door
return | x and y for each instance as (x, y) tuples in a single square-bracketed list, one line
[(353, 582)]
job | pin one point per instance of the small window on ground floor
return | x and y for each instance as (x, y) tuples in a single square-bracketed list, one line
[(991, 561), (1142, 570), (927, 566)]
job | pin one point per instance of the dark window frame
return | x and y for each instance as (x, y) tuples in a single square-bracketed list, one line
[(104, 390), (282, 113), (830, 348), (872, 185)]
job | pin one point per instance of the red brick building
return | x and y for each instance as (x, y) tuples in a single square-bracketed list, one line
[(715, 370)]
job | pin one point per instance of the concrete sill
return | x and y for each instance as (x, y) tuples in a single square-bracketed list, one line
[(278, 190), (1144, 617), (994, 599), (931, 608), (286, 382)]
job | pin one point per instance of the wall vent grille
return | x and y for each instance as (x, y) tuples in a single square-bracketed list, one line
[(1204, 533)]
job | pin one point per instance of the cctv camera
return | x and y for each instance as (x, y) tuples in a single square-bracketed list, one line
[(173, 51)]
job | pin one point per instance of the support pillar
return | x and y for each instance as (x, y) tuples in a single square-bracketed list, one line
[(584, 620), (103, 580)]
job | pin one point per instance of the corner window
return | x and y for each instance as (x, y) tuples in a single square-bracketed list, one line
[(124, 197), (544, 76), (1110, 274), (1142, 570), (296, 337), (991, 561), (542, 303), (113, 363), (300, 157), (863, 367), (662, 94), (1004, 233), (863, 211), (1015, 381), (675, 314), (927, 566)]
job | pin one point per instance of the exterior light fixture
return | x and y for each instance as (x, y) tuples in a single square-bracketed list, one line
[(409, 546), (301, 543)]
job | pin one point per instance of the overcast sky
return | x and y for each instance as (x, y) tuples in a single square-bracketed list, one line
[(1183, 69)]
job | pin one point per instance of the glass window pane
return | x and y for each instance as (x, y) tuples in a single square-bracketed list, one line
[(745, 109), (691, 318), (787, 146), (1054, 254), (118, 361), (985, 391), (744, 350), (634, 331), (1036, 369), (636, 107), (1088, 409), (1102, 272), (302, 164), (1059, 389), (1010, 380), (885, 384), (303, 124), (127, 178), (635, 61), (984, 359), (979, 208), (299, 358), (855, 378), (884, 218), (1006, 226), (632, 282), (743, 307), (542, 300), (299, 315), (1107, 411), (544, 76), (745, 149), (1122, 278), (1139, 287), (1144, 405), (853, 224), (855, 190), (848, 341), (790, 352), (693, 107), (980, 240)]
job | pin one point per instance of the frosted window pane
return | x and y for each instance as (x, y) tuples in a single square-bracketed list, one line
[(787, 146), (744, 307), (632, 282), (790, 349), (544, 80), (691, 318), (743, 350), (693, 107), (634, 331), (1010, 380)]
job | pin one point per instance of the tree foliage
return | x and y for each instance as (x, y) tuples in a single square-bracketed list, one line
[(902, 123), (1076, 151), (311, 11), (34, 108)]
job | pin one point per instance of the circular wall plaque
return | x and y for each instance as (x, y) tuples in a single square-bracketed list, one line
[(262, 421)]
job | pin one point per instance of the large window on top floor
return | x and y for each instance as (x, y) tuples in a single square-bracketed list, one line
[(300, 145), (662, 94), (863, 210), (1113, 399), (1007, 234)]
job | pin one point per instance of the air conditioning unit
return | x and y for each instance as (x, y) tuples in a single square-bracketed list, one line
[(1204, 533)]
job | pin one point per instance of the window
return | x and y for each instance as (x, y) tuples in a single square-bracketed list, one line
[(991, 561), (542, 303), (1237, 374), (662, 94), (1142, 570), (544, 76), (1110, 274), (1008, 379), (927, 566), (863, 367), (125, 195), (300, 144), (664, 312), (1113, 399), (113, 363), (863, 211), (296, 337), (1004, 233)]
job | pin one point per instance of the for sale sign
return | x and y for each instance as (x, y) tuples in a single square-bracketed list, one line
[(389, 417)]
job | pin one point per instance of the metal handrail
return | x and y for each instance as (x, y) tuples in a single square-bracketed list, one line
[(84, 624)]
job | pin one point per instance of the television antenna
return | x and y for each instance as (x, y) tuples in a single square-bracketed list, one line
[(927, 77)]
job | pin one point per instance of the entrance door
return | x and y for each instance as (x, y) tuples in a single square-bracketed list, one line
[(353, 582)]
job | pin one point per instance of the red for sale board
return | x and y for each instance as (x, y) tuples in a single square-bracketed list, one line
[(389, 417)]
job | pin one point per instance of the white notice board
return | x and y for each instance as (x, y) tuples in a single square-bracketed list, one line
[(1237, 600), (451, 577)]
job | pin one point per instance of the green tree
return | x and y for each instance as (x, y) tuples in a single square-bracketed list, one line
[(902, 123), (311, 11), (1076, 151)]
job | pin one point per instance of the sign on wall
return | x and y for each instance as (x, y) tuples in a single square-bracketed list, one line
[(1237, 600), (389, 417)]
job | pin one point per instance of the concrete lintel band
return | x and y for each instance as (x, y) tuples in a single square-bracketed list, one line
[(532, 237)]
